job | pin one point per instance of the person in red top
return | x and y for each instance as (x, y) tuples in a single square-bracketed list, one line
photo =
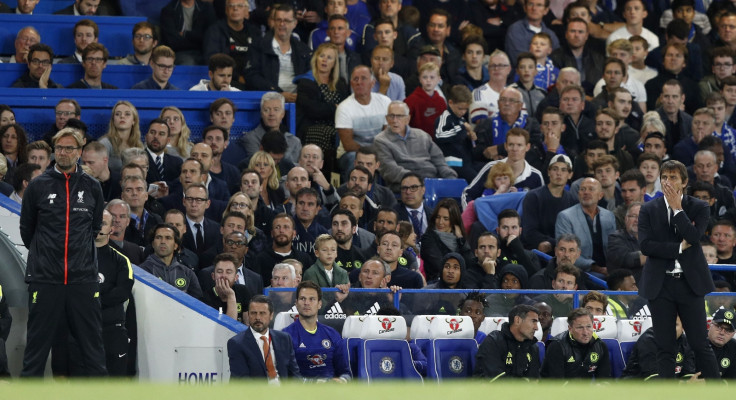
[(426, 103)]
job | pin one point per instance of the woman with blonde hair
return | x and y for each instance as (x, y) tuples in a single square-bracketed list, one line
[(319, 91), (123, 133), (179, 144), (240, 202), (272, 193)]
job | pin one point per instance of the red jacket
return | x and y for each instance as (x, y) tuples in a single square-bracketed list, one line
[(424, 110)]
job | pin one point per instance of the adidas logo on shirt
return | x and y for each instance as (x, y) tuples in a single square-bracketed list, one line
[(335, 312), (571, 359), (302, 346), (374, 309)]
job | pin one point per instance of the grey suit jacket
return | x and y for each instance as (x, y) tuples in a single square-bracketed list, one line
[(572, 220)]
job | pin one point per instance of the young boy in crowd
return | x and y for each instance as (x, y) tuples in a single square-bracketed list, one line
[(454, 135), (637, 68), (319, 34), (324, 271), (716, 102), (426, 103), (541, 47), (526, 73)]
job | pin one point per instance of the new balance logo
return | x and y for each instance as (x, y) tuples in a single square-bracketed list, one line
[(335, 312), (374, 309)]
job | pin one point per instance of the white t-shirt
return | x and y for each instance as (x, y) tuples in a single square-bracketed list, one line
[(623, 33), (642, 75), (487, 95), (632, 85), (366, 121)]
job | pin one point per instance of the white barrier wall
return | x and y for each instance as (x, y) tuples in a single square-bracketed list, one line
[(180, 339)]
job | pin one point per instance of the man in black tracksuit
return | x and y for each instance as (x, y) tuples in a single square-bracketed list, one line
[(60, 217), (5, 321), (578, 352), (511, 352), (642, 362), (720, 335)]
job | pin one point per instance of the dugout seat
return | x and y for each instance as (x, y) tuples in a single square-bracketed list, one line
[(491, 324), (451, 358), (629, 330), (605, 326), (616, 356), (284, 319), (626, 349), (420, 326), (542, 349), (384, 352)]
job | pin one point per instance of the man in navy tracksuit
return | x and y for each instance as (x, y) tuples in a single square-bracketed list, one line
[(59, 221)]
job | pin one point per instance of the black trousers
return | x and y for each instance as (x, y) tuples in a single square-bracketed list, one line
[(76, 305), (676, 298), (66, 355)]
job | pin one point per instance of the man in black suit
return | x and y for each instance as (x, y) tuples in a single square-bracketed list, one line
[(141, 221), (191, 172), (120, 211), (248, 350), (203, 232), (216, 187), (411, 207), (81, 7), (675, 277), (162, 167)]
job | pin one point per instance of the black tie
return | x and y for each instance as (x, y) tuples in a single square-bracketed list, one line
[(200, 237)]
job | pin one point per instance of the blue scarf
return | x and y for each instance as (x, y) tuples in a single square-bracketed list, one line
[(546, 74), (500, 127), (728, 136)]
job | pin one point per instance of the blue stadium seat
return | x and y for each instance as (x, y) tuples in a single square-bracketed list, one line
[(617, 357), (380, 359), (488, 207), (437, 189), (352, 345), (542, 349), (57, 31), (451, 358), (626, 349)]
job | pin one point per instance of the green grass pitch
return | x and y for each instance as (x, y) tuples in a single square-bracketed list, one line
[(465, 390)]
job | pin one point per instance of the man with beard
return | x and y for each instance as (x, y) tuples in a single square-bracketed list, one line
[(248, 349), (219, 139), (509, 238), (282, 233), (567, 251), (474, 307), (351, 202), (344, 231), (380, 195), (165, 242), (163, 167), (360, 183), (225, 294), (389, 250), (482, 273)]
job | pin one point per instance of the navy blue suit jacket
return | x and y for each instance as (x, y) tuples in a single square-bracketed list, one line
[(660, 243), (246, 360), (211, 236), (172, 169)]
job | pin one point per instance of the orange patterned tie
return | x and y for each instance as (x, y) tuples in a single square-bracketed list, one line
[(270, 368)]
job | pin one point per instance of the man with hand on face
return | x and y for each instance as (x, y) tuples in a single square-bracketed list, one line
[(40, 58), (312, 159), (249, 351), (675, 277), (220, 73), (226, 295), (319, 349), (509, 242), (482, 274), (578, 352), (165, 242)]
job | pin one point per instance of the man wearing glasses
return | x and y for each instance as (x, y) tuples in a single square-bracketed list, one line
[(145, 39), (720, 335), (411, 207), (40, 58), (162, 65), (202, 232), (60, 217), (236, 244), (403, 149), (94, 61)]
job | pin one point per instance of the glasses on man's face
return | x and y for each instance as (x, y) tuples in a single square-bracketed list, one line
[(240, 205), (164, 66), (412, 188), (238, 243), (498, 66), (396, 116), (143, 37), (65, 113), (94, 60), (65, 149), (36, 62), (279, 21), (719, 65), (199, 200), (722, 327)]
